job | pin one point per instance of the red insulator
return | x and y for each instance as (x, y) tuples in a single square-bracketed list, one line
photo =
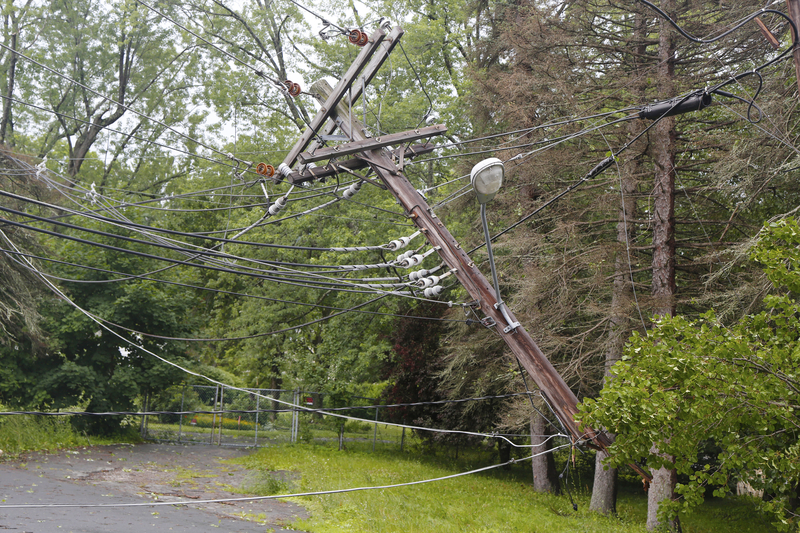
[(354, 36), (263, 169), (292, 88), (363, 40)]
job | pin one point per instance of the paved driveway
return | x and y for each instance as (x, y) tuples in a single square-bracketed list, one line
[(136, 474)]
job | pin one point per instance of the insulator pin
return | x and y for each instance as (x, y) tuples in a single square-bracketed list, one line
[(284, 170)]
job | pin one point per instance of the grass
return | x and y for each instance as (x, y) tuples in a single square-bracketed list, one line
[(494, 501), (22, 433)]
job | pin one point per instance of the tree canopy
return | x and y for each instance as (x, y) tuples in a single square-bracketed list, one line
[(701, 387)]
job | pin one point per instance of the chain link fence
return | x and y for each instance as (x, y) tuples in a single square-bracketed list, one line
[(223, 416)]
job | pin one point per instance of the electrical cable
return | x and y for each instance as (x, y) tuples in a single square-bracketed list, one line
[(131, 225), (208, 289)]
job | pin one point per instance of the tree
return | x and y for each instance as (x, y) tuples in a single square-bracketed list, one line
[(687, 382), (88, 363), (23, 341)]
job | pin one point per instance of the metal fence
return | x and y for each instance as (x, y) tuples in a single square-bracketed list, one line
[(232, 417)]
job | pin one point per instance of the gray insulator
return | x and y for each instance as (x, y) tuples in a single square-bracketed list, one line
[(284, 169), (415, 259)]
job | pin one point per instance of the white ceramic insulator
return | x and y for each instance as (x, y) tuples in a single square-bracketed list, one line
[(279, 204), (284, 169), (428, 282), (402, 242), (432, 292), (418, 274), (352, 190)]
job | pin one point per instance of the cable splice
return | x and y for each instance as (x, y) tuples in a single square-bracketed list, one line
[(676, 106)]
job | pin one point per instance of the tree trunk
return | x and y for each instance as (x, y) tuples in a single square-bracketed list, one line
[(545, 477), (661, 488), (604, 489), (663, 286), (7, 124)]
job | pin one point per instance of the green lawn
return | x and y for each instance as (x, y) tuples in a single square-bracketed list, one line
[(493, 501)]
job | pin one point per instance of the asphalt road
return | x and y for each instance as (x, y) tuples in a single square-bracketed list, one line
[(137, 474)]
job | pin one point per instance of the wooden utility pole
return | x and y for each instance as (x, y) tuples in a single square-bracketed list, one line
[(545, 376), (387, 165)]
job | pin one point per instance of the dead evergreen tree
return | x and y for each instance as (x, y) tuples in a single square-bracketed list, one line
[(671, 200)]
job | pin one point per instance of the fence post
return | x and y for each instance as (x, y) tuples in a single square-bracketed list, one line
[(214, 416), (295, 414), (375, 433), (341, 436), (180, 419), (144, 410), (258, 397), (403, 436), (221, 414)]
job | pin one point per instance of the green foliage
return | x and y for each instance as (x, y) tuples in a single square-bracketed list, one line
[(688, 382)]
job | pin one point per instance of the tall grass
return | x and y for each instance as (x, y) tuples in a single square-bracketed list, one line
[(494, 501), (24, 433), (28, 433)]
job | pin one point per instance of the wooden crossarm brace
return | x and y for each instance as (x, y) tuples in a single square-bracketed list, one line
[(372, 143)]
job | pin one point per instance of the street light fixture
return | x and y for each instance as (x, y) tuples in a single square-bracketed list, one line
[(487, 178)]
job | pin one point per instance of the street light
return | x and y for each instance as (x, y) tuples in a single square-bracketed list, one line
[(487, 178)]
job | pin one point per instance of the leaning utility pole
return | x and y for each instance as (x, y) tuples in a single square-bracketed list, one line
[(387, 165)]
